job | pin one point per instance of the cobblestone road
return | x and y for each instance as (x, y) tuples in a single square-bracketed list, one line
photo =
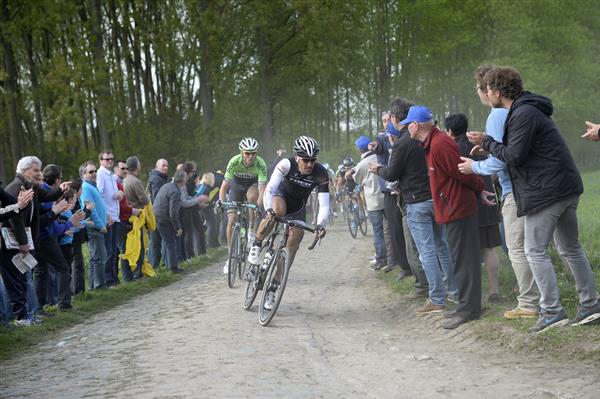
[(338, 333)]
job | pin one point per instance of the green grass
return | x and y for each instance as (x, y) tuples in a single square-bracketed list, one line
[(13, 340), (574, 342)]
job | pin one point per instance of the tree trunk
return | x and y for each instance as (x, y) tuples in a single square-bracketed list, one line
[(11, 86), (347, 115), (35, 88)]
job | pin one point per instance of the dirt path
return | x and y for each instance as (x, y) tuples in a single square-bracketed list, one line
[(338, 333)]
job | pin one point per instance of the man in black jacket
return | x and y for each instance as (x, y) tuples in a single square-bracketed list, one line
[(158, 178), (14, 280), (407, 165), (547, 186)]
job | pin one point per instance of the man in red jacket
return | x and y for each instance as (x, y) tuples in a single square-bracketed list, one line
[(455, 204)]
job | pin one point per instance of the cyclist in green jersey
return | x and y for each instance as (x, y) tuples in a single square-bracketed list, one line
[(245, 181)]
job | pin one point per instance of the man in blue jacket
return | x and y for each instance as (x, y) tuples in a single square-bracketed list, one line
[(95, 233)]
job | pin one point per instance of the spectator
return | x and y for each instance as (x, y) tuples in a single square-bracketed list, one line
[(13, 282), (106, 182), (455, 205), (29, 176), (373, 198), (125, 212), (137, 198), (407, 165), (397, 247), (65, 240), (193, 225), (79, 237), (547, 186), (97, 230), (487, 216), (207, 187), (593, 132), (529, 296), (158, 178), (166, 205), (48, 253)]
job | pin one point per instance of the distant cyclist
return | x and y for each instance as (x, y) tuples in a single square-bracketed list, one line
[(245, 179), (287, 192)]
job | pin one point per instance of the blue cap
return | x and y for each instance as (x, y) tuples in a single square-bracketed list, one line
[(362, 143), (417, 113), (391, 130)]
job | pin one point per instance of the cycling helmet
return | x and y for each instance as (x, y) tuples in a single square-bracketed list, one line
[(306, 147), (248, 144), (348, 162)]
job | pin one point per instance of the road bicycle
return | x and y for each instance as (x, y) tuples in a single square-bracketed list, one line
[(262, 277), (352, 213), (238, 248)]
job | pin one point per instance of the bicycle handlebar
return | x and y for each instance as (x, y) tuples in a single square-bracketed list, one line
[(235, 204), (299, 226)]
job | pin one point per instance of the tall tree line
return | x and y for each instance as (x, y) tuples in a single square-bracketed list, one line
[(186, 78)]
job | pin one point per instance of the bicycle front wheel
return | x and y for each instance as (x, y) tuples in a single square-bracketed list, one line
[(234, 257), (253, 276), (362, 224), (279, 261), (353, 221)]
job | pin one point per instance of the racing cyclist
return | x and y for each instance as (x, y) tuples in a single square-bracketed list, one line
[(285, 196), (245, 179)]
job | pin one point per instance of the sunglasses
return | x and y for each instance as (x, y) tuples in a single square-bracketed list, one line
[(108, 159), (249, 153), (308, 160), (91, 172), (123, 168)]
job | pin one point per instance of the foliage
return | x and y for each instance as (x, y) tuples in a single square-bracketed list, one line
[(186, 79)]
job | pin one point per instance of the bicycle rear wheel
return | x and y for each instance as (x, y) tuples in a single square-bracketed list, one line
[(234, 257), (281, 259), (352, 220)]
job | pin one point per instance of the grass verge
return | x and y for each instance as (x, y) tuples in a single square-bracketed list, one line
[(87, 304)]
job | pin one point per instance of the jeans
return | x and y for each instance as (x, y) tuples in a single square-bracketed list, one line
[(126, 272), (529, 295), (97, 259), (50, 256), (77, 271), (431, 241), (170, 239), (560, 220), (112, 252), (155, 251), (5, 312), (376, 218), (33, 305), (14, 282)]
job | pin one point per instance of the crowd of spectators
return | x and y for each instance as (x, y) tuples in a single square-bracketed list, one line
[(46, 221)]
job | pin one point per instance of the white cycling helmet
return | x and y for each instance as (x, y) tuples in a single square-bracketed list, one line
[(306, 147), (248, 144)]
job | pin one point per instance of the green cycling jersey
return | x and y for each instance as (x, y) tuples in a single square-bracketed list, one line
[(238, 172)]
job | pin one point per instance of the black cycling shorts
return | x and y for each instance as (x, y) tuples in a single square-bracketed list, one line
[(237, 191), (295, 207)]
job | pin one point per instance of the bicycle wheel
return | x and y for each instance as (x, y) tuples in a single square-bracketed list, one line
[(362, 224), (234, 255), (242, 260), (281, 259), (253, 278), (352, 220)]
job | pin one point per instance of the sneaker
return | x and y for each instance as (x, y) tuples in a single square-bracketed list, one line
[(26, 322), (549, 320), (376, 266), (270, 300), (429, 307), (226, 268), (518, 313), (335, 214), (253, 255), (373, 261), (389, 268), (587, 316), (453, 300)]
